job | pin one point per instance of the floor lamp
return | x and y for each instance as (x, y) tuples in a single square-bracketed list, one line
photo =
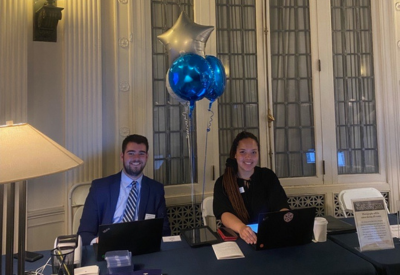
[(25, 153)]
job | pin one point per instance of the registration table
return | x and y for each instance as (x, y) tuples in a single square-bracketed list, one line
[(313, 258), (177, 258), (387, 262)]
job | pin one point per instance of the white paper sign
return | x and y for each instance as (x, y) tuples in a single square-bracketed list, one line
[(167, 239), (372, 224), (395, 229)]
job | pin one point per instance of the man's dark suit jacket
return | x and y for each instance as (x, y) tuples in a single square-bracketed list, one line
[(102, 200)]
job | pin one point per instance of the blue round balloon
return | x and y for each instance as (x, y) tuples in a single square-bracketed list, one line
[(219, 83), (190, 77)]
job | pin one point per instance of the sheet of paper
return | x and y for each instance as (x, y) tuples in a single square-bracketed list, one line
[(227, 250), (395, 229), (372, 224), (167, 239)]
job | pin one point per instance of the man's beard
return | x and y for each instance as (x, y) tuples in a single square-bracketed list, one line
[(131, 172)]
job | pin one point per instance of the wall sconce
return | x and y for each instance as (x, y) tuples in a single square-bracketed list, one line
[(45, 22)]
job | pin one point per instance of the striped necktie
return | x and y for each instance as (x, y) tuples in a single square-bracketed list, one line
[(129, 214)]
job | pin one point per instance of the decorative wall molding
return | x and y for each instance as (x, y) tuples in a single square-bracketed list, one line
[(44, 226), (133, 63), (124, 86), (83, 87), (14, 61), (13, 68), (388, 89), (395, 177), (123, 42), (123, 59), (45, 216)]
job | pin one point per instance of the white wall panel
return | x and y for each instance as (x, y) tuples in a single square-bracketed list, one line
[(13, 68), (13, 61), (45, 226), (83, 87)]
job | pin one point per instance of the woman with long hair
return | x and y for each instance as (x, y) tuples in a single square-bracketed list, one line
[(245, 190)]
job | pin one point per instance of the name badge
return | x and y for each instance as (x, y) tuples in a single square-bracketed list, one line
[(241, 189), (149, 216)]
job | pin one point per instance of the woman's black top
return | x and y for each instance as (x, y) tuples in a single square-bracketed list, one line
[(261, 194)]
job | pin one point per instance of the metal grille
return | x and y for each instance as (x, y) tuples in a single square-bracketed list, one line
[(182, 217), (171, 155), (305, 201), (237, 50), (292, 92), (356, 131)]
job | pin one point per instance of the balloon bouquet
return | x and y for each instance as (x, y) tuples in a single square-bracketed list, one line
[(192, 75)]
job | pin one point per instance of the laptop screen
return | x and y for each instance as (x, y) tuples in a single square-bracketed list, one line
[(254, 227), (139, 237)]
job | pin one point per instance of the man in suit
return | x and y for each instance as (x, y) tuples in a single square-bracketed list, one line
[(107, 198)]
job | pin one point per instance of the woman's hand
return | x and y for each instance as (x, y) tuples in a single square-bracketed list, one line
[(248, 235), (245, 232)]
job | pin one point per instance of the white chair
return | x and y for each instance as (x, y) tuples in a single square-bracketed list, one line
[(76, 200), (207, 213), (345, 197)]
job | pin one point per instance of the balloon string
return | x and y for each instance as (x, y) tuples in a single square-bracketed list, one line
[(211, 119), (185, 118), (205, 153), (189, 134)]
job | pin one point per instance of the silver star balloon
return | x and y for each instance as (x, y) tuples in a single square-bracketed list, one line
[(185, 36)]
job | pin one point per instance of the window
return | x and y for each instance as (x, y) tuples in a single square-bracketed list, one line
[(305, 107), (356, 133), (292, 89), (237, 49)]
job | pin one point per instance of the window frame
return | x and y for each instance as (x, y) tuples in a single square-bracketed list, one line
[(324, 109), (327, 100)]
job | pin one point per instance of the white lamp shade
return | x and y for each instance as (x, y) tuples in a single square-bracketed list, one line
[(27, 153)]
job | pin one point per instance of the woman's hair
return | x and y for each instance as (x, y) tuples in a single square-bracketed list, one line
[(229, 180)]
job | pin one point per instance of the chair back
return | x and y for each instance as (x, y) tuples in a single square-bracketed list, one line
[(345, 197), (76, 201), (207, 212)]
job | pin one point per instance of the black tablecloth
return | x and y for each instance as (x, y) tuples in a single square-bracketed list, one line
[(387, 262), (178, 258), (314, 258)]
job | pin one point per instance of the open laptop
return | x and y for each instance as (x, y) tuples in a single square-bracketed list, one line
[(139, 237), (285, 228)]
